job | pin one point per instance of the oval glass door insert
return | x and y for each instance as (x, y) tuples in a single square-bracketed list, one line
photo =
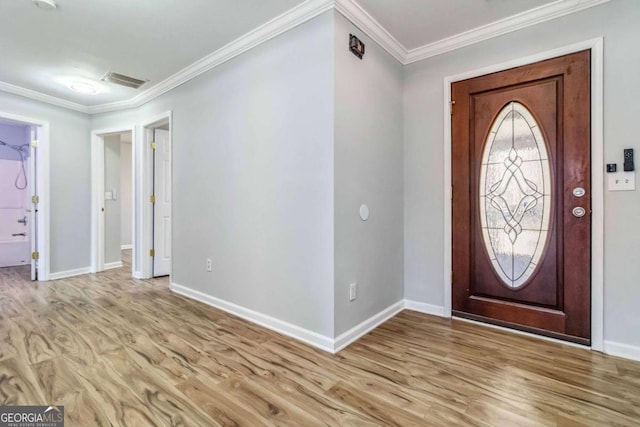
[(515, 195)]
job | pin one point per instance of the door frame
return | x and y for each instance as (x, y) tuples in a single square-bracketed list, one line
[(146, 180), (597, 172), (97, 196), (42, 183)]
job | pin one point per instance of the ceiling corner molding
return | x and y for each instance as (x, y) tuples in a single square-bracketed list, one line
[(42, 97), (280, 24), (372, 28), (507, 25), (304, 12)]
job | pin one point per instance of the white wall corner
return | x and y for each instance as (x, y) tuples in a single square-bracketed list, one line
[(69, 273), (422, 307), (372, 28), (353, 334), (312, 338), (622, 350)]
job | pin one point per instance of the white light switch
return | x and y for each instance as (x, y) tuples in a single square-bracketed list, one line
[(621, 181), (108, 195)]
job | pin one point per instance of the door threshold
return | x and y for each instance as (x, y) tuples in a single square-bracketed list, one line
[(524, 333)]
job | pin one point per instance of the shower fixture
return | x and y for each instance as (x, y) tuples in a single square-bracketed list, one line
[(22, 150)]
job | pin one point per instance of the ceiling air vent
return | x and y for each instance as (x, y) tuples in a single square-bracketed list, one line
[(122, 80)]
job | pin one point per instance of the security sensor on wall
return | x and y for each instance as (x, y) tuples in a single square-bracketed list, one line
[(45, 4)]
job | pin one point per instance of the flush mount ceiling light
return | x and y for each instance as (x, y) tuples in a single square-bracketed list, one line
[(45, 4), (82, 87)]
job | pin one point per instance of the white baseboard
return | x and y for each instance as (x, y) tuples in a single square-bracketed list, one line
[(622, 350), (343, 340), (112, 265), (423, 307), (69, 273), (125, 247), (309, 337)]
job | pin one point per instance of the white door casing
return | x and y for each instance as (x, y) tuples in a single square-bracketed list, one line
[(162, 206), (32, 189)]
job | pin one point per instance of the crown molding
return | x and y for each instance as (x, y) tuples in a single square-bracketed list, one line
[(307, 11), (282, 23), (43, 97), (372, 28), (507, 25)]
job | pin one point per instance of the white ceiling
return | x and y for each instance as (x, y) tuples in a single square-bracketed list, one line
[(147, 39), (415, 23), (154, 39)]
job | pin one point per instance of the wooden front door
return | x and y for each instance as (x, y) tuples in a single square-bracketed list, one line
[(522, 198)]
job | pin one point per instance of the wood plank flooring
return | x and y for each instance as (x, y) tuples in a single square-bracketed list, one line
[(123, 352)]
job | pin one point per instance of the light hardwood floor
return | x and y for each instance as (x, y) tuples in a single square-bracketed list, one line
[(118, 351)]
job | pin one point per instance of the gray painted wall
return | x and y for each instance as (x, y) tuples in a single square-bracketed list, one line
[(112, 208), (70, 179), (617, 21), (368, 169), (126, 194), (253, 177)]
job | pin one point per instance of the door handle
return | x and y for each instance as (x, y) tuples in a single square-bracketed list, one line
[(578, 212), (19, 234), (23, 221), (579, 192)]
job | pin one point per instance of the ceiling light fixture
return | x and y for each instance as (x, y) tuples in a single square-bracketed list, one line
[(46, 4), (82, 87)]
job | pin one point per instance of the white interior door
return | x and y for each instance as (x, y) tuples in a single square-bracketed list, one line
[(32, 190), (162, 206)]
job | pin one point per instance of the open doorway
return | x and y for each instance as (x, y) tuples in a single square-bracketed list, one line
[(118, 200), (15, 203), (113, 226), (150, 198), (23, 196)]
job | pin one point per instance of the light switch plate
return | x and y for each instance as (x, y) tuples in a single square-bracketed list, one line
[(621, 181)]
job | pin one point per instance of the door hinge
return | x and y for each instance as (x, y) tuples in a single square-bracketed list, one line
[(451, 192), (35, 255), (452, 277), (451, 104), (34, 143), (35, 199), (152, 252), (153, 145), (152, 199)]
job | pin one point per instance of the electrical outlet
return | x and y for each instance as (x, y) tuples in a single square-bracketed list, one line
[(353, 289), (209, 264)]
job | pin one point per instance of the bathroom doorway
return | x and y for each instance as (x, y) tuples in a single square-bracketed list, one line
[(21, 198)]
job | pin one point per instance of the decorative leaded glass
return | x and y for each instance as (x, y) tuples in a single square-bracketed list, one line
[(515, 195)]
